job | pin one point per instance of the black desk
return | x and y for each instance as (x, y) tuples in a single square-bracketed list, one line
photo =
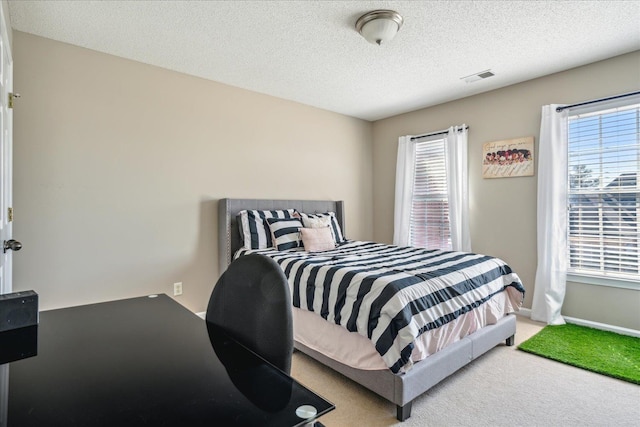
[(145, 362)]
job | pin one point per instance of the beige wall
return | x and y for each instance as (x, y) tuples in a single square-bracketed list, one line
[(118, 167), (503, 211)]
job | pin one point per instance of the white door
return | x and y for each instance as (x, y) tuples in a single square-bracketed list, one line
[(6, 82), (6, 160)]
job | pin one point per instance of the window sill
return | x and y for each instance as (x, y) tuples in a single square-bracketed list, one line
[(603, 281)]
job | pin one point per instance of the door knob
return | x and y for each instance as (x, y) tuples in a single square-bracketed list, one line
[(14, 245)]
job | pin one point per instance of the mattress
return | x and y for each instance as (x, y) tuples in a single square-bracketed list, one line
[(407, 302), (356, 351)]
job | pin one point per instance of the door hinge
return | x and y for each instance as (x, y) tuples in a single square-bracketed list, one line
[(12, 96), (10, 214)]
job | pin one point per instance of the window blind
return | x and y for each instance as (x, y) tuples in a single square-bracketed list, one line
[(429, 222), (604, 192)]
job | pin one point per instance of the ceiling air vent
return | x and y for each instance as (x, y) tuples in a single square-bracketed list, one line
[(478, 76)]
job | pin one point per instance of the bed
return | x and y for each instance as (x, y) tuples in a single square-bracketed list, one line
[(432, 356)]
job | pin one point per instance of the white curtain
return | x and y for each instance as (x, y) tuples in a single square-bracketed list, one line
[(551, 273), (405, 172), (458, 188)]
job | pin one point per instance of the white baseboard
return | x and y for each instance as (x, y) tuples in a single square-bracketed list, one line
[(202, 314), (605, 327), (526, 312)]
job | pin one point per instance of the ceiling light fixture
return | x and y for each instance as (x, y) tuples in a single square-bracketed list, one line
[(379, 26)]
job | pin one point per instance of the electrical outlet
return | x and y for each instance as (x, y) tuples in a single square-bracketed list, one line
[(177, 289)]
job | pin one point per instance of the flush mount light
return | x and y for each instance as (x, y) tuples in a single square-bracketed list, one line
[(379, 26)]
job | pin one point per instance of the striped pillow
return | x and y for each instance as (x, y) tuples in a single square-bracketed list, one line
[(335, 227), (285, 232), (255, 230)]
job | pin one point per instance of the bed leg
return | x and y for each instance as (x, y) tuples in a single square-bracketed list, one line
[(511, 340), (403, 412)]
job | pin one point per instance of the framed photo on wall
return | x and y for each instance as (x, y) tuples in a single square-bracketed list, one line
[(508, 158)]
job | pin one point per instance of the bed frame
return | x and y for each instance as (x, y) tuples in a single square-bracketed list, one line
[(399, 389)]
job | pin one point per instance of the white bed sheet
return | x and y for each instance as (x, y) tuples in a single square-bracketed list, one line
[(356, 351)]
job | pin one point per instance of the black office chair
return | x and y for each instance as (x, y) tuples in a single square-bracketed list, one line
[(252, 303)]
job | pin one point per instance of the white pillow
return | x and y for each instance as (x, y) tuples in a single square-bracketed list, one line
[(319, 222)]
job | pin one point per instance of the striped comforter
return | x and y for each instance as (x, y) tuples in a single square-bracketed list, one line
[(392, 294)]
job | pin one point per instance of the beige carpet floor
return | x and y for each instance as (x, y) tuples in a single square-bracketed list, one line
[(504, 387)]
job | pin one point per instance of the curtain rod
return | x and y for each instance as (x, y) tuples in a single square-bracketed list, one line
[(596, 100), (443, 132)]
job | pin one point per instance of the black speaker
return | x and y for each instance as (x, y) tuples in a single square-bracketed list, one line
[(18, 310), (18, 344)]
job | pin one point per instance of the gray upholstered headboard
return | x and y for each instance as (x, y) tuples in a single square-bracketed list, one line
[(229, 238)]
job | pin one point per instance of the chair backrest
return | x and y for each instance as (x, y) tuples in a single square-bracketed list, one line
[(252, 303)]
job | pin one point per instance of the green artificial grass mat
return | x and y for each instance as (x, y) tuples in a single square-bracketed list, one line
[(604, 352)]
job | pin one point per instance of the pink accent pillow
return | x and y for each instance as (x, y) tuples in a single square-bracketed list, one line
[(317, 239)]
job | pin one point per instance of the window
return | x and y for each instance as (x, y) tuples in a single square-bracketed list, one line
[(431, 202), (429, 221), (604, 192)]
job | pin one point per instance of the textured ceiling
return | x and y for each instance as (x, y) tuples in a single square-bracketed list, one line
[(309, 51)]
